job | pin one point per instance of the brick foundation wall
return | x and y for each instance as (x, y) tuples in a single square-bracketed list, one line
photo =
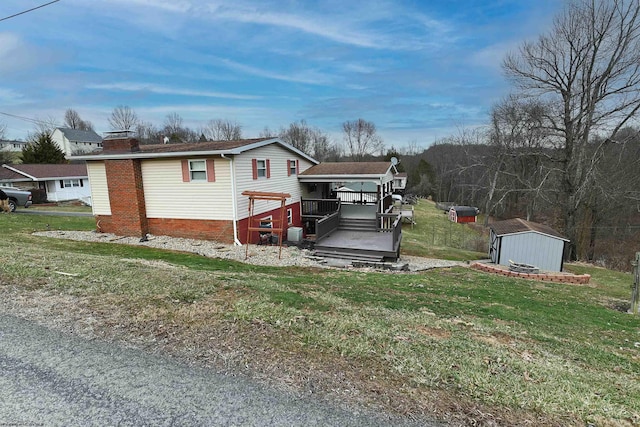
[(126, 197), (581, 279), (219, 231)]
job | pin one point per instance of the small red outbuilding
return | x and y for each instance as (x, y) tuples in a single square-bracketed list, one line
[(462, 214)]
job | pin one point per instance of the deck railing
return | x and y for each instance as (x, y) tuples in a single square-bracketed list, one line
[(319, 207), (327, 225), (358, 197), (386, 204), (390, 223)]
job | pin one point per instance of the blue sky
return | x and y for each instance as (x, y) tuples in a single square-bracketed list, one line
[(420, 70)]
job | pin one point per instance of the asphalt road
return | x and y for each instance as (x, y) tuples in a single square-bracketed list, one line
[(54, 379)]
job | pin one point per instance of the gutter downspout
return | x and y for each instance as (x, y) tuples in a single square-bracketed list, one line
[(236, 241)]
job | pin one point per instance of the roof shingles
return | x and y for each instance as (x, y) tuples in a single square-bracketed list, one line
[(348, 168), (41, 171), (519, 225)]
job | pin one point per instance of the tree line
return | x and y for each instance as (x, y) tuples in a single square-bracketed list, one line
[(564, 147)]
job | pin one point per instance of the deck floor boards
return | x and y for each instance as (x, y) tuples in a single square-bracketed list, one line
[(364, 240)]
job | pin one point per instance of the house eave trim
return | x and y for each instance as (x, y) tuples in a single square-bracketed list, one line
[(535, 232), (33, 178)]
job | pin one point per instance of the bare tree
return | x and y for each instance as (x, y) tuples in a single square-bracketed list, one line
[(588, 69), (3, 130), (298, 135), (73, 120), (517, 159), (267, 133), (147, 133), (173, 124), (222, 130), (361, 139), (175, 130), (123, 118)]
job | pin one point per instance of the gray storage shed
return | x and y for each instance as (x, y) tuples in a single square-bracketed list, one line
[(526, 242)]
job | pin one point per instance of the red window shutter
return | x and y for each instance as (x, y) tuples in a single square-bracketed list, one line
[(297, 167), (288, 167), (254, 165), (211, 170), (268, 169), (185, 171)]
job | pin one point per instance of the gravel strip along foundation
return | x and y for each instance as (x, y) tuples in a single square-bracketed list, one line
[(258, 255)]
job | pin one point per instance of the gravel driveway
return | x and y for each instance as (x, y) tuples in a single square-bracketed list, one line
[(52, 379)]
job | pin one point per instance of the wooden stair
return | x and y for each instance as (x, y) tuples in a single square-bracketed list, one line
[(350, 255), (357, 224)]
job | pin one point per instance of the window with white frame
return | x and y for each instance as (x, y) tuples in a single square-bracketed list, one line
[(68, 183), (293, 167), (198, 170), (289, 216), (261, 168), (266, 222)]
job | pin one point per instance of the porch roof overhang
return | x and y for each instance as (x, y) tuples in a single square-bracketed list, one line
[(341, 178), (378, 172)]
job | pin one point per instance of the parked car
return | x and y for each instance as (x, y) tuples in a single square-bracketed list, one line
[(17, 197)]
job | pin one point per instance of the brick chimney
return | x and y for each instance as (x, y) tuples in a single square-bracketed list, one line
[(122, 145)]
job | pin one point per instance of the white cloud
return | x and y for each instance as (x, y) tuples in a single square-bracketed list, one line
[(167, 5), (17, 55), (163, 90), (491, 57), (9, 96), (308, 77)]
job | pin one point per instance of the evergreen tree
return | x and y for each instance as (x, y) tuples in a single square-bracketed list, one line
[(42, 149)]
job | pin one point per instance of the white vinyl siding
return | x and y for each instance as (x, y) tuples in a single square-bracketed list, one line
[(279, 181), (167, 196), (99, 189), (537, 249), (71, 189)]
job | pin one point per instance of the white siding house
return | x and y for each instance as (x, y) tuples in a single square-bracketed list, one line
[(62, 182), (526, 242), (192, 190), (75, 141)]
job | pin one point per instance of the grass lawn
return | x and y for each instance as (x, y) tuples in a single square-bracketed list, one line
[(454, 344), (434, 236)]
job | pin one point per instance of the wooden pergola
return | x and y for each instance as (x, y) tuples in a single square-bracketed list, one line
[(261, 195)]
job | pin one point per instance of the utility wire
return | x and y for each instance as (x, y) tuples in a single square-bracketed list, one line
[(26, 119), (29, 10)]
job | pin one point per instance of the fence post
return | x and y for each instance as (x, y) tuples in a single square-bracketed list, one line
[(635, 294)]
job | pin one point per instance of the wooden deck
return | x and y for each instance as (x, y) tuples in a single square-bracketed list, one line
[(353, 231)]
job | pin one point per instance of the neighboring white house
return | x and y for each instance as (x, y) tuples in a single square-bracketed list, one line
[(62, 182), (526, 242), (193, 189), (76, 141), (12, 146)]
